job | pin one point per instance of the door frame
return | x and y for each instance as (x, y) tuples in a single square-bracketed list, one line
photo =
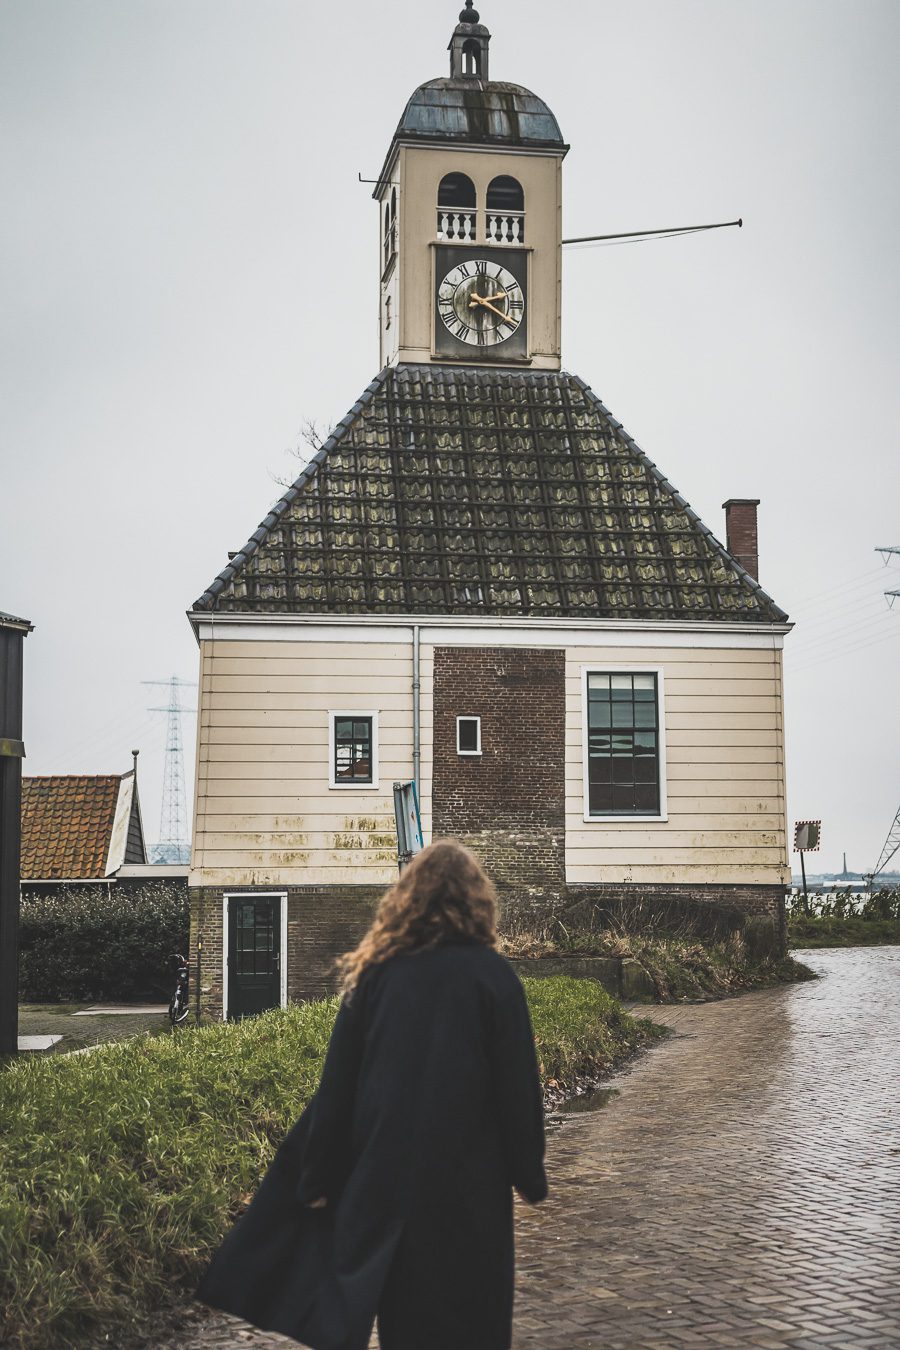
[(282, 898)]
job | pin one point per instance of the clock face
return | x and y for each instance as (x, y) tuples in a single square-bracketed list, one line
[(480, 303)]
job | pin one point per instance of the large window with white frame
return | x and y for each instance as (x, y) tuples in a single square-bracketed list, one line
[(353, 749), (624, 745)]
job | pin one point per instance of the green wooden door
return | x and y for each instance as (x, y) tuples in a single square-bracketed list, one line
[(254, 954)]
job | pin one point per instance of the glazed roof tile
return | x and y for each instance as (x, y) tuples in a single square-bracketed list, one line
[(67, 824), (465, 490)]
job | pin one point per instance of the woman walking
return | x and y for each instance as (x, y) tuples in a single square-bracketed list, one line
[(391, 1197)]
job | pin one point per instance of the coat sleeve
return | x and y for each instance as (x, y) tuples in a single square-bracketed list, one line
[(519, 1096), (326, 1146)]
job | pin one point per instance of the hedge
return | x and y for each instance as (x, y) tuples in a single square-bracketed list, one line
[(81, 944), (120, 1170)]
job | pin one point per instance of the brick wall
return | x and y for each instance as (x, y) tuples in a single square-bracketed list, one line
[(507, 804), (323, 922)]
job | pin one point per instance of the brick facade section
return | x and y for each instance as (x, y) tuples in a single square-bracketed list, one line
[(323, 922), (741, 532), (508, 803)]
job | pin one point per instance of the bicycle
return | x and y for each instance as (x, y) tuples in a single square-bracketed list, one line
[(179, 1009)]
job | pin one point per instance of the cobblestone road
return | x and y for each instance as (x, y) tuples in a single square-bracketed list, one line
[(742, 1188)]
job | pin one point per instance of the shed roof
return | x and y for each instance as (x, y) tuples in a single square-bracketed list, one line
[(10, 621), (69, 825), (495, 492)]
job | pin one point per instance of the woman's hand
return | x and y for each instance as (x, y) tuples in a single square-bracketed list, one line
[(522, 1196), (318, 1204)]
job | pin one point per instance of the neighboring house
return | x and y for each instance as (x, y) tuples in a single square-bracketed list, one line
[(79, 829), (480, 582)]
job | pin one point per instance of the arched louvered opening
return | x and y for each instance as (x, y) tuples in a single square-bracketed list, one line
[(456, 207), (390, 228), (505, 216)]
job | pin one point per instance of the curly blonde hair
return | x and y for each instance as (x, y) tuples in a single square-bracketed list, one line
[(442, 894)]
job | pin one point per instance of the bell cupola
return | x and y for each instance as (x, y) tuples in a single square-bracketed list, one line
[(470, 211), (469, 47)]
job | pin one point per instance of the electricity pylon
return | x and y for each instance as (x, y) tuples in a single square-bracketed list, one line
[(889, 551), (173, 846), (892, 843)]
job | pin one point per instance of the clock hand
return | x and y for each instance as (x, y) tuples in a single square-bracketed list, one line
[(486, 299), (493, 308)]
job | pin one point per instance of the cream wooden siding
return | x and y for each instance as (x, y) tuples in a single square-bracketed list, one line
[(264, 811), (725, 779), (266, 816)]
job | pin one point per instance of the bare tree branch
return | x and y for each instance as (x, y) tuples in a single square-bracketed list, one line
[(310, 439)]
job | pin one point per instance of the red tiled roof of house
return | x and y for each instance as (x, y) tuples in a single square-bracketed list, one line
[(67, 824)]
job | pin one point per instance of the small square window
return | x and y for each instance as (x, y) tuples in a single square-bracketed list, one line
[(468, 735)]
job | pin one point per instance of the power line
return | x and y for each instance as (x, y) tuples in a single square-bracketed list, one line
[(853, 583), (843, 651), (869, 627)]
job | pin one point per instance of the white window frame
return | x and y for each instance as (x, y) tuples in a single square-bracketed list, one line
[(340, 785), (282, 897), (468, 717), (621, 668)]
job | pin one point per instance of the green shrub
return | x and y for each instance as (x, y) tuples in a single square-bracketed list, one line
[(120, 1170), (101, 945)]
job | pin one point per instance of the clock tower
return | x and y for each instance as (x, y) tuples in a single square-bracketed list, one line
[(470, 210)]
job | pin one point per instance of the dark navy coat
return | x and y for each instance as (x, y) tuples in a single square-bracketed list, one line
[(428, 1113)]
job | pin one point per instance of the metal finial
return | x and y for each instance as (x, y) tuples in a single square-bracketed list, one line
[(469, 14)]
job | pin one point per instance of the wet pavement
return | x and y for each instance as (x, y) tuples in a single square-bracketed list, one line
[(740, 1186)]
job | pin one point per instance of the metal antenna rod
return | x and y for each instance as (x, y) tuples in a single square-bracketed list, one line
[(647, 234)]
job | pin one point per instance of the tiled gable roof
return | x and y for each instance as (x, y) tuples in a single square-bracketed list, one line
[(67, 825), (496, 492)]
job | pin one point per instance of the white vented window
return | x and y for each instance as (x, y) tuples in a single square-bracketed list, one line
[(468, 735)]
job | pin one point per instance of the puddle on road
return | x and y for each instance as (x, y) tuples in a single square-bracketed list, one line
[(591, 1101)]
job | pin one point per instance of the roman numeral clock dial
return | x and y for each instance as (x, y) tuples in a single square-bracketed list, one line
[(481, 304)]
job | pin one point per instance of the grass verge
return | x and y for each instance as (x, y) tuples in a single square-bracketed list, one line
[(832, 931), (120, 1170), (680, 967)]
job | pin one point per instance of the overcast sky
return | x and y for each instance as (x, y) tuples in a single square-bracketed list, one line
[(190, 270)]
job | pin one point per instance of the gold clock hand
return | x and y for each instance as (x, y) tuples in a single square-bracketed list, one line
[(493, 308), (477, 299)]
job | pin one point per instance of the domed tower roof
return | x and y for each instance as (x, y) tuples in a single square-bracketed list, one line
[(469, 107), (481, 112)]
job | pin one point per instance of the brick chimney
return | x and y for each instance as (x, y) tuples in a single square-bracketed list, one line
[(741, 533)]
